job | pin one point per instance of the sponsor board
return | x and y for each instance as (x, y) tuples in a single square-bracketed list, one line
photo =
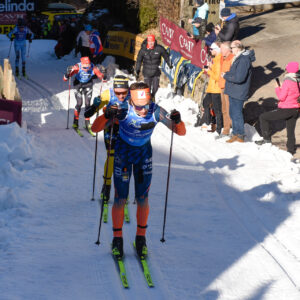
[(16, 6), (11, 18), (10, 111), (5, 29), (177, 39), (122, 43), (231, 3)]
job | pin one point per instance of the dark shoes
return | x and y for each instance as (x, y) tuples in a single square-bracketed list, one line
[(263, 141), (117, 246), (140, 245)]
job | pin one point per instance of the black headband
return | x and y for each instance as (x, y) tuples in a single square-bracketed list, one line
[(121, 83)]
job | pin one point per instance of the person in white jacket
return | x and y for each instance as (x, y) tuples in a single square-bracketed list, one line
[(82, 41)]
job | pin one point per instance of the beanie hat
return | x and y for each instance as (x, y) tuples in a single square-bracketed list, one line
[(215, 47), (225, 12), (85, 60), (121, 81), (210, 27), (197, 20), (292, 67), (199, 2), (151, 38), (88, 27)]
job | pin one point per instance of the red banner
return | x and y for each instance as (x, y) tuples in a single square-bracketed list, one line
[(10, 18), (177, 39), (10, 111)]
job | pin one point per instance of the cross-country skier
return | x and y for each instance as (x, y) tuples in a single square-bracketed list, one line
[(21, 33), (84, 73), (117, 95), (133, 152)]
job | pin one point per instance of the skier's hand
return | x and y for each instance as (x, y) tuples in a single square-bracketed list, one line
[(30, 40), (111, 112), (175, 116), (11, 39), (97, 101), (69, 70)]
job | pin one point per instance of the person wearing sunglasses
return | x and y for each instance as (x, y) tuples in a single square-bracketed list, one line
[(84, 72), (114, 96), (133, 153)]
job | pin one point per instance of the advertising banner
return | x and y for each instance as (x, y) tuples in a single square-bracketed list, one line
[(10, 6), (10, 111), (5, 29), (122, 43), (231, 3), (177, 39), (11, 18)]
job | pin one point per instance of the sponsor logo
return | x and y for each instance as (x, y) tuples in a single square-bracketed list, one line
[(5, 29), (167, 31), (12, 6), (186, 44)]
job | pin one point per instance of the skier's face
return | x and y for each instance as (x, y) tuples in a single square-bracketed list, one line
[(86, 67), (121, 93), (141, 106)]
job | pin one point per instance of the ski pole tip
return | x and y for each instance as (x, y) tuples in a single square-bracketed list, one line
[(162, 240), (93, 199), (97, 243)]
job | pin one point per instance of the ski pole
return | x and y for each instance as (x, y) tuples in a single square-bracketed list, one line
[(69, 102), (106, 171), (9, 49), (28, 49), (167, 190), (95, 158)]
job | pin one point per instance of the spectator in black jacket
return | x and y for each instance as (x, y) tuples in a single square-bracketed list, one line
[(231, 27), (150, 56)]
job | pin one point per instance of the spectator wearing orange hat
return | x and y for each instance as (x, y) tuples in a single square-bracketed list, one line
[(150, 56)]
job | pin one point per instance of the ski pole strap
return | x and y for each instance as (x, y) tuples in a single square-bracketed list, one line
[(117, 229), (143, 227)]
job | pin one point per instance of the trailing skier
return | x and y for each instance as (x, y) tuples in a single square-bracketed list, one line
[(20, 34), (115, 96), (84, 73), (133, 152)]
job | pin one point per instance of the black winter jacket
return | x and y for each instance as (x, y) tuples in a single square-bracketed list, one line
[(230, 30), (151, 59)]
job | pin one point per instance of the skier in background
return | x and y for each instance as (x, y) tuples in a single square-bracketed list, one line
[(84, 73), (117, 95), (96, 47), (21, 34), (133, 152)]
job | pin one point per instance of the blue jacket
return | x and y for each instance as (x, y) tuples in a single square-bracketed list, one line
[(238, 78)]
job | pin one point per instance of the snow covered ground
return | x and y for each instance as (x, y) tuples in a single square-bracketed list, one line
[(233, 215)]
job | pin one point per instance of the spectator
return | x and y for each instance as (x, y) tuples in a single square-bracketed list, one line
[(213, 92), (288, 108), (96, 47), (210, 34), (200, 18), (83, 41), (225, 62), (231, 27), (150, 56), (237, 87)]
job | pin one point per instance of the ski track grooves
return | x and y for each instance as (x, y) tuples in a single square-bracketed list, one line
[(247, 218), (134, 270)]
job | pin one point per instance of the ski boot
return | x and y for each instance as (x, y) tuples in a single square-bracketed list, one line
[(88, 127), (117, 247), (17, 72), (140, 245), (75, 124), (105, 192)]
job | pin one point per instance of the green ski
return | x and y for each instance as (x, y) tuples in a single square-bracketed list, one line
[(88, 129), (126, 213), (145, 267), (77, 130), (121, 266), (105, 211)]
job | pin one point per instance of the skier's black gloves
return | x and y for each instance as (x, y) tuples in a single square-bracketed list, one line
[(67, 76), (175, 116), (69, 70), (111, 112), (11, 39), (97, 101), (30, 40)]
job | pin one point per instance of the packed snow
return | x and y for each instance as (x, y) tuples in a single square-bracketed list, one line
[(232, 229)]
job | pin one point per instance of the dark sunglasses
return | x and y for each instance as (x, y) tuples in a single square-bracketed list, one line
[(121, 93), (141, 107)]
